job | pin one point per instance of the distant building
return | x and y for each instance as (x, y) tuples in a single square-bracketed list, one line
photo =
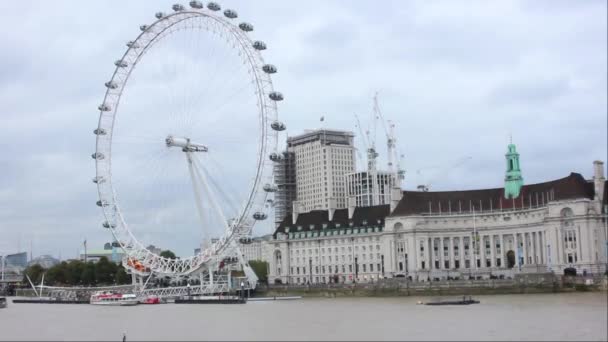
[(17, 260), (46, 261), (367, 189), (154, 249), (322, 160), (115, 254), (255, 250)]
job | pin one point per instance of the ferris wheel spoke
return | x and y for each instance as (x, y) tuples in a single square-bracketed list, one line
[(211, 195)]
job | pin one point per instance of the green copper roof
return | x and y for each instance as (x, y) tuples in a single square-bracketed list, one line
[(513, 179)]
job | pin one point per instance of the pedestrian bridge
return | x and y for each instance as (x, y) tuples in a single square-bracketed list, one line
[(221, 286)]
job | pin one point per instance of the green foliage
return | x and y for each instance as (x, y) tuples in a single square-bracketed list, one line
[(261, 270), (34, 272), (77, 273), (168, 254), (121, 277), (105, 271), (74, 271), (88, 274), (57, 274)]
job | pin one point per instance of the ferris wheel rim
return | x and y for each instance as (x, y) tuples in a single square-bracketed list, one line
[(266, 112)]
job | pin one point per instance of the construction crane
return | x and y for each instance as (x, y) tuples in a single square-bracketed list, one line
[(450, 166), (394, 160)]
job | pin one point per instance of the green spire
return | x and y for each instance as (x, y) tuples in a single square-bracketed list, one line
[(513, 179)]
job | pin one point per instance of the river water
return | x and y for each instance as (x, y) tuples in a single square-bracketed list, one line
[(577, 316)]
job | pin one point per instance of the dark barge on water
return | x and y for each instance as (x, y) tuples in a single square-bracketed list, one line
[(49, 301), (463, 301)]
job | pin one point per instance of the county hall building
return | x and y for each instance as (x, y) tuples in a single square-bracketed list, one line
[(425, 236)]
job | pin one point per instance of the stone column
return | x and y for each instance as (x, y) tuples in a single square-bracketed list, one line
[(461, 251), (516, 250), (503, 262), (482, 251), (452, 260), (536, 247), (427, 254), (431, 253), (542, 248), (441, 257), (493, 250), (525, 243)]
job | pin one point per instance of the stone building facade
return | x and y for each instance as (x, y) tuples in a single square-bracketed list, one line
[(548, 226)]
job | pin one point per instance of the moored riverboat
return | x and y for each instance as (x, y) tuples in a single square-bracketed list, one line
[(151, 300), (113, 298)]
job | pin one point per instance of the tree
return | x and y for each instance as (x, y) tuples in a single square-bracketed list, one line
[(261, 270), (88, 274), (34, 272), (74, 271), (168, 254), (121, 277), (57, 275), (105, 271)]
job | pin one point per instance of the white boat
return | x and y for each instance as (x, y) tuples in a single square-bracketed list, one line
[(113, 298)]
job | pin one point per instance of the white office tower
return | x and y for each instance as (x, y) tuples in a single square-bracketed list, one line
[(323, 158), (366, 189)]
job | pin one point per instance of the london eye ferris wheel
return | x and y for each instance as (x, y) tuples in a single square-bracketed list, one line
[(187, 137)]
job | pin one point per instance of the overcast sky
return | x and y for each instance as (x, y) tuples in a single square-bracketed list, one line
[(457, 77)]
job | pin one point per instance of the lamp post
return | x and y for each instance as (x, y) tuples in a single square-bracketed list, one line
[(3, 261)]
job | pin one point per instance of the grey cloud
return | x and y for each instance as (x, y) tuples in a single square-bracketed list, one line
[(456, 77)]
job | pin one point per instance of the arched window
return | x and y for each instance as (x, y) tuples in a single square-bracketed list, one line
[(566, 216), (398, 226), (567, 212)]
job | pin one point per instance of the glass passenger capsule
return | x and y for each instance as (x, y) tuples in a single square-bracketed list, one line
[(178, 7), (259, 216), (104, 108), (276, 157), (259, 45), (247, 27), (245, 241), (214, 6), (270, 188), (278, 126), (107, 225), (276, 96), (144, 28), (99, 180), (196, 4), (121, 64), (269, 69), (132, 45), (111, 85), (102, 203), (100, 131), (98, 156), (230, 14), (159, 15)]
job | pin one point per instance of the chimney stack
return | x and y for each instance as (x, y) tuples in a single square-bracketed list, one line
[(599, 180)]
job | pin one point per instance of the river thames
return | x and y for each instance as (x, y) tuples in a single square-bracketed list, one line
[(577, 316)]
